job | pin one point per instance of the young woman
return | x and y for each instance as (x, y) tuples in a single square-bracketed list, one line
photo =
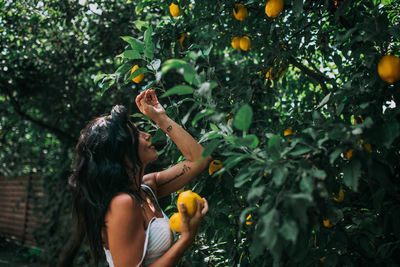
[(115, 203)]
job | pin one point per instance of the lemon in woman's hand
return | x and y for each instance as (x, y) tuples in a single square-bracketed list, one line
[(188, 198), (175, 222)]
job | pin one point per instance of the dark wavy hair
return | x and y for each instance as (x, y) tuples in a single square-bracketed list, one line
[(100, 172)]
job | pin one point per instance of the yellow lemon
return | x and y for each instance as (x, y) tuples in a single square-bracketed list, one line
[(183, 36), (389, 68), (341, 196), (175, 222), (368, 147), (327, 223), (248, 222), (279, 74), (235, 43), (138, 78), (349, 153), (241, 13), (189, 199), (288, 131), (174, 10), (244, 43), (215, 165), (273, 8)]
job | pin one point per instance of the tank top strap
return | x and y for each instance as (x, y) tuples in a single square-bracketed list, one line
[(146, 242), (147, 189)]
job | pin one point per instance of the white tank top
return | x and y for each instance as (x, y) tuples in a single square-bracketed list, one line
[(159, 236)]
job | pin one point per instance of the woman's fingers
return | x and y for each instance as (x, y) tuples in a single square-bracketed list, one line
[(204, 211), (184, 215)]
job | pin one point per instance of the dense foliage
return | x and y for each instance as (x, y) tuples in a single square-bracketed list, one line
[(311, 152)]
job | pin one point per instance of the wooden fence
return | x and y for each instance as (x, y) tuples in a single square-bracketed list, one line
[(19, 201)]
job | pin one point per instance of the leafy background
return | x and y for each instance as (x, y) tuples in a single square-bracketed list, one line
[(65, 62)]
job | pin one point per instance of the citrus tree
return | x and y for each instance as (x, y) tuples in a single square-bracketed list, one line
[(299, 113), (296, 101)]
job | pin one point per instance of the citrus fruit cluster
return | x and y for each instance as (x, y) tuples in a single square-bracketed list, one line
[(189, 199), (241, 43)]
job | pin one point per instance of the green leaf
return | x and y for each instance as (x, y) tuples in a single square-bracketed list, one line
[(98, 77), (135, 74), (172, 64), (274, 147), (250, 141), (148, 42), (210, 147), (300, 150), (279, 175), (289, 230), (352, 173), (188, 73), (334, 155), (243, 118), (131, 54), (202, 114), (135, 44), (179, 90), (140, 24), (214, 127)]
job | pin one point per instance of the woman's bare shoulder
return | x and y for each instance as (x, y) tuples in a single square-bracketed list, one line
[(124, 206)]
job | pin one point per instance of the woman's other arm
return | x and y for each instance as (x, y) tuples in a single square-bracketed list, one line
[(126, 235)]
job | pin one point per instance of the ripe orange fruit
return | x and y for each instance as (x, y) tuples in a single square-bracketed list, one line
[(248, 221), (389, 68), (349, 153), (138, 78), (273, 8), (174, 10), (327, 223), (189, 199), (245, 43), (279, 74), (183, 36), (241, 13), (175, 222), (341, 196), (368, 147), (235, 43), (214, 166), (288, 131)]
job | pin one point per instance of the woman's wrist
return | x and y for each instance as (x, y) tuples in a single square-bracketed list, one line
[(187, 240), (160, 119)]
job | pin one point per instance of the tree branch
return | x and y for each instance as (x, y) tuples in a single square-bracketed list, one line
[(319, 77), (27, 117)]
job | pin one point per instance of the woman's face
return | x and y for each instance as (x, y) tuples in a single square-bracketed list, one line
[(147, 152)]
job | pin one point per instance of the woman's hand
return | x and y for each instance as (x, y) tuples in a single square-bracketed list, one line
[(190, 225), (148, 104)]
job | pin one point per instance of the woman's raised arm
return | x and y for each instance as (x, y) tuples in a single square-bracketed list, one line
[(177, 176)]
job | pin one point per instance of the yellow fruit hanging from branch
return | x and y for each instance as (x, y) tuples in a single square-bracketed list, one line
[(245, 43), (138, 78), (236, 43), (273, 8), (174, 10), (240, 12), (389, 68)]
